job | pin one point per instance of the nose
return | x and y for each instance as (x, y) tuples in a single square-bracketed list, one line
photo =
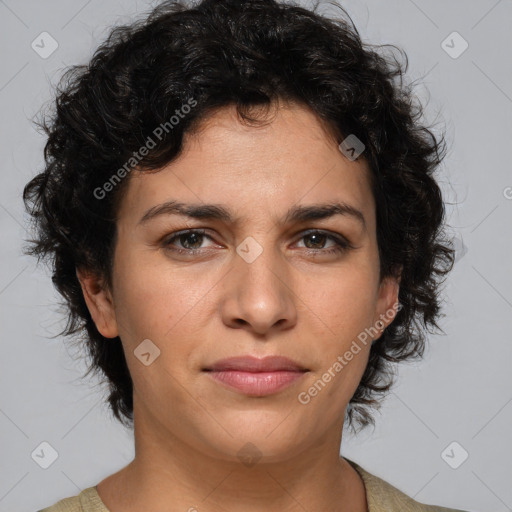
[(258, 296)]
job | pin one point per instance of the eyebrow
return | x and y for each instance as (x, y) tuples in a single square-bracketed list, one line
[(218, 212)]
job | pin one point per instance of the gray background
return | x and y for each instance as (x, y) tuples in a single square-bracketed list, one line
[(460, 392)]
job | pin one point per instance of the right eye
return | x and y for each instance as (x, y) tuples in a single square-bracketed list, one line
[(187, 237)]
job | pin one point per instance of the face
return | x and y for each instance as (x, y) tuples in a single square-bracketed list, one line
[(254, 276)]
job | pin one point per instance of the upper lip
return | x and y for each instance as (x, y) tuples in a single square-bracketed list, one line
[(255, 364)]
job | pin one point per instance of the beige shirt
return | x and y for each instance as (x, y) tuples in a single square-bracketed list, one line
[(381, 497)]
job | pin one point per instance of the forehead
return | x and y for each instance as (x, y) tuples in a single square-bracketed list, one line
[(257, 169)]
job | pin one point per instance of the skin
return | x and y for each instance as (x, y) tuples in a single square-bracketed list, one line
[(201, 308)]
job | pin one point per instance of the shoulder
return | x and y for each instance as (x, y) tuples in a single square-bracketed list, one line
[(383, 497), (87, 501)]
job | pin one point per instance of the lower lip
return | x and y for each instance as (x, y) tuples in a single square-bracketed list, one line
[(256, 384)]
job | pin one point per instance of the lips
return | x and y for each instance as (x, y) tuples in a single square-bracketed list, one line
[(256, 377), (253, 364)]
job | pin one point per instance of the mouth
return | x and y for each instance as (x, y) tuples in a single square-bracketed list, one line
[(252, 376)]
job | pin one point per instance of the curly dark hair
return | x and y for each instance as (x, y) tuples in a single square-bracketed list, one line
[(247, 54)]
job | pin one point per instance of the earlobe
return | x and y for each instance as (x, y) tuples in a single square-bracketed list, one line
[(99, 302)]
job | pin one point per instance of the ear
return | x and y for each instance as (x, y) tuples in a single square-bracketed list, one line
[(99, 302), (387, 304)]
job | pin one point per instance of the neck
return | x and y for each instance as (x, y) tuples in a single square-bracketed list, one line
[(167, 470)]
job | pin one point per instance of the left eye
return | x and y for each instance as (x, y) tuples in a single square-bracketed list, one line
[(191, 241), (319, 237)]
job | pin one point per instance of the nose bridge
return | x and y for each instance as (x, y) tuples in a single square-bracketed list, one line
[(260, 266), (259, 294)]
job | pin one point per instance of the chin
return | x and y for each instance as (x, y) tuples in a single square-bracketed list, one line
[(267, 437)]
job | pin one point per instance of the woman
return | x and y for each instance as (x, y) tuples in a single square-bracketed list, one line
[(240, 208)]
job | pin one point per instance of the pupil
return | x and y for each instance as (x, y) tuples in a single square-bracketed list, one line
[(188, 236), (315, 236)]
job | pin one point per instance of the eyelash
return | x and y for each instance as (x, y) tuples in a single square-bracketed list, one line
[(341, 246)]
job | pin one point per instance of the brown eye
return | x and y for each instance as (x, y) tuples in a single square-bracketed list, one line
[(318, 239), (190, 241)]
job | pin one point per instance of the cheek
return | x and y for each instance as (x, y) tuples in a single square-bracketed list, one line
[(170, 307), (344, 302), (151, 298), (155, 304), (343, 309)]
